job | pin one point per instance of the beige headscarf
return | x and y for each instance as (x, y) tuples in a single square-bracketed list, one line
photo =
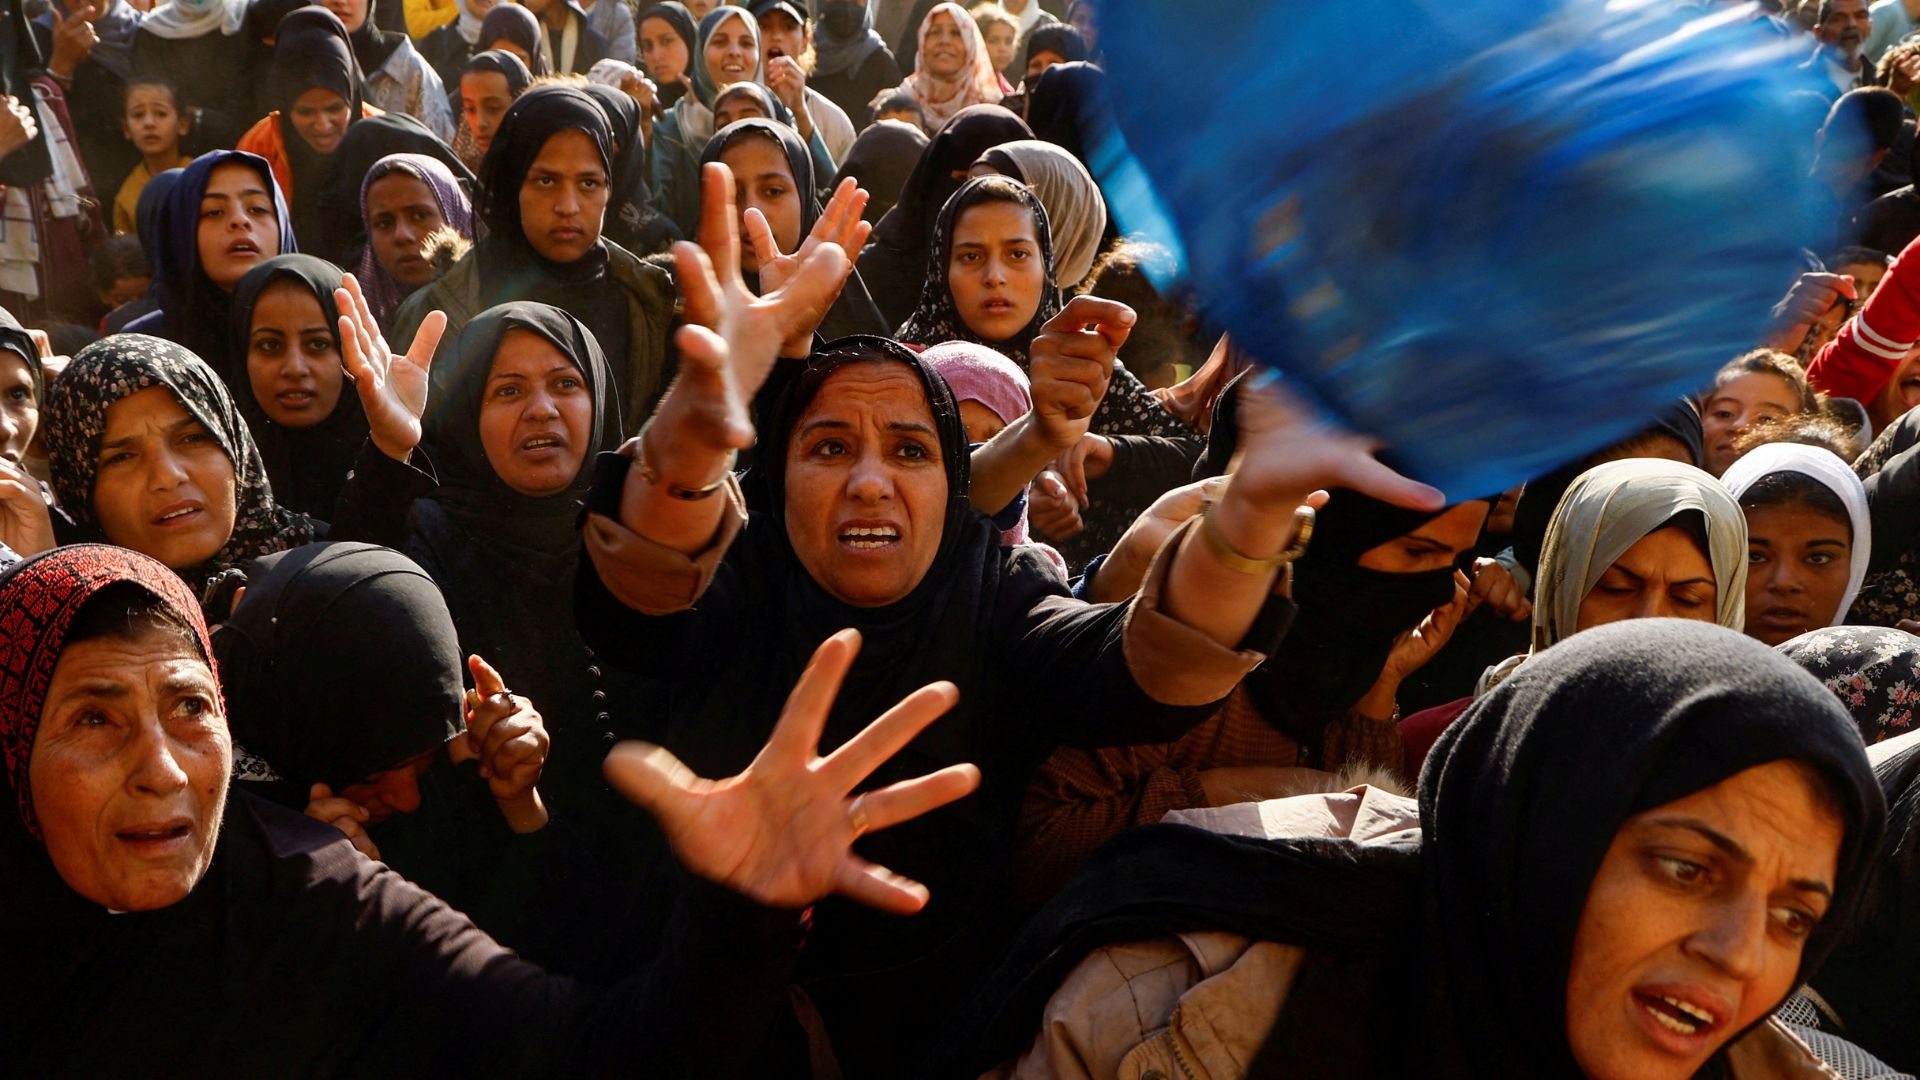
[(1607, 510), (1075, 211)]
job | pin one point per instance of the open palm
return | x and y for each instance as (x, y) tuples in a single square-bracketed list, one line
[(782, 831), (392, 389)]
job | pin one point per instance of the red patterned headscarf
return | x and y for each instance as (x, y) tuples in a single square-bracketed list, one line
[(39, 599)]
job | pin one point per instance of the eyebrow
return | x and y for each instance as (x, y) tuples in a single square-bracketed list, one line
[(521, 375), (177, 425), (1733, 850), (910, 426), (224, 197)]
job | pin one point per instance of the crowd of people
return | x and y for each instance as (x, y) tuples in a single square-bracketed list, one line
[(579, 536)]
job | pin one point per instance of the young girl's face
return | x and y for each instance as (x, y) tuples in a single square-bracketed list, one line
[(153, 123)]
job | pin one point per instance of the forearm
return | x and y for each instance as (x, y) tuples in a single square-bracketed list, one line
[(1007, 463), (1870, 346), (1203, 591), (667, 462)]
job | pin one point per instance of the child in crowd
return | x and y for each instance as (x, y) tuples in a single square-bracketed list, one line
[(154, 123)]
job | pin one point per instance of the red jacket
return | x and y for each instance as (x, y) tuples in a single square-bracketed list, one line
[(1871, 346)]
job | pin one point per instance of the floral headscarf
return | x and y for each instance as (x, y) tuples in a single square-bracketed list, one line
[(1873, 670), (976, 84), (125, 364), (936, 319)]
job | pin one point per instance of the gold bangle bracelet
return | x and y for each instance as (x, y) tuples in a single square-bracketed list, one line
[(1234, 560), (677, 491)]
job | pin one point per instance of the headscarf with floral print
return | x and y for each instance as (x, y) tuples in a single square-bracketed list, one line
[(124, 364), (1873, 670)]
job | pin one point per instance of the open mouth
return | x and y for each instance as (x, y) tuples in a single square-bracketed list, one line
[(1676, 1019), (181, 514), (295, 399), (543, 446), (243, 247), (869, 537), (159, 835)]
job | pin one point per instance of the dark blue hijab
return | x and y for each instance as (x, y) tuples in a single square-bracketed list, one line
[(195, 312)]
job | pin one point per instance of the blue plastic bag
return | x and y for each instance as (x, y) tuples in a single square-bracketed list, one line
[(1506, 238)]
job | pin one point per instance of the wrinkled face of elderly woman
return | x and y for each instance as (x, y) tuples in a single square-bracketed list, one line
[(1694, 925), (866, 489), (130, 762)]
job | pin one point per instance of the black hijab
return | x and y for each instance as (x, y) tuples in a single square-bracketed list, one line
[(312, 52), (882, 158), (852, 311), (973, 131), (506, 560), (1067, 104), (631, 220), (936, 319), (310, 616), (503, 62), (510, 268), (307, 466), (1868, 981), (373, 46), (343, 233), (1450, 957), (1059, 39), (681, 20), (520, 26)]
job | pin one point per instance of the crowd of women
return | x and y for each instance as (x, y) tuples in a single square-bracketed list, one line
[(558, 537)]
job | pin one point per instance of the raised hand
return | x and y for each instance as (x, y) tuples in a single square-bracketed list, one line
[(1287, 451), (74, 39), (788, 81), (1071, 361), (1051, 509), (1086, 460), (26, 525), (840, 223), (17, 126), (343, 814), (733, 337), (392, 389), (782, 831), (508, 737)]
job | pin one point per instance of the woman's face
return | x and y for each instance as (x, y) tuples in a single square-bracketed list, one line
[(663, 51), (699, 8), (511, 46), (536, 415), (1799, 560), (995, 271), (293, 365), (1435, 545), (866, 489), (129, 769), (1663, 575), (320, 119), (477, 8), (164, 486), (1694, 925), (401, 212), (1000, 44), (732, 56), (763, 180), (390, 791), (19, 409), (1739, 406), (484, 97), (563, 200), (1041, 61), (730, 107), (945, 47), (239, 228), (945, 51)]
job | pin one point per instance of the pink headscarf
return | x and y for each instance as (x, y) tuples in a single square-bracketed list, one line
[(977, 83), (978, 373)]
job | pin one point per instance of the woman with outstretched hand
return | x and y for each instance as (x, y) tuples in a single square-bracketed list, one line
[(863, 519), (184, 918)]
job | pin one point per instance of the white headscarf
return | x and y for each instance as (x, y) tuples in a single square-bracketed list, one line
[(178, 20), (1822, 467), (468, 24)]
